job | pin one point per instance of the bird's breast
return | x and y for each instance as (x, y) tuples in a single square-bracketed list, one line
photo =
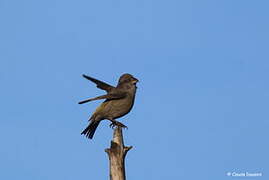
[(115, 108), (121, 107)]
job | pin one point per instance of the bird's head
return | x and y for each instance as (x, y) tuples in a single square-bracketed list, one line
[(127, 78)]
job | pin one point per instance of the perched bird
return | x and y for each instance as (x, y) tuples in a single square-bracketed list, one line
[(119, 101)]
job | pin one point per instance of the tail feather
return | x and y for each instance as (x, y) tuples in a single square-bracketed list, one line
[(90, 129)]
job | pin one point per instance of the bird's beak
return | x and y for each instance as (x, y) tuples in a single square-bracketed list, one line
[(135, 80)]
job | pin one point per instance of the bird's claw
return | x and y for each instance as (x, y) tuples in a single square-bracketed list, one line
[(112, 125), (116, 123)]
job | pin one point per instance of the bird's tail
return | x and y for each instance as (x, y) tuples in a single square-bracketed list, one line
[(90, 129)]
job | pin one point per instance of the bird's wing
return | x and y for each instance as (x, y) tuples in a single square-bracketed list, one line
[(100, 84), (110, 96)]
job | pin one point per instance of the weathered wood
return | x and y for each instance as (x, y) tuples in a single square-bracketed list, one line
[(116, 154)]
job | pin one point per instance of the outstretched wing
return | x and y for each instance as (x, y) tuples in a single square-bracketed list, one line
[(100, 84), (110, 96)]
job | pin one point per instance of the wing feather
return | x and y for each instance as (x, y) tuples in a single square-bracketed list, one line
[(100, 84)]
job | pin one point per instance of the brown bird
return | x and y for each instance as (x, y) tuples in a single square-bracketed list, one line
[(119, 101)]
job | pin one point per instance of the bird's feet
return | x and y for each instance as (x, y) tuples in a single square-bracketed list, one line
[(117, 123)]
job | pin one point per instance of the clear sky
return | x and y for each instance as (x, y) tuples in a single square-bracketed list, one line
[(202, 101)]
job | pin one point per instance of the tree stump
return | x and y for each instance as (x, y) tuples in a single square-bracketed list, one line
[(116, 154)]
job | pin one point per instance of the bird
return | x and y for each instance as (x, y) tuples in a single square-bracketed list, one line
[(118, 102)]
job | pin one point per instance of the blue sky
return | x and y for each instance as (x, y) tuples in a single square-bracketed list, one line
[(202, 102)]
